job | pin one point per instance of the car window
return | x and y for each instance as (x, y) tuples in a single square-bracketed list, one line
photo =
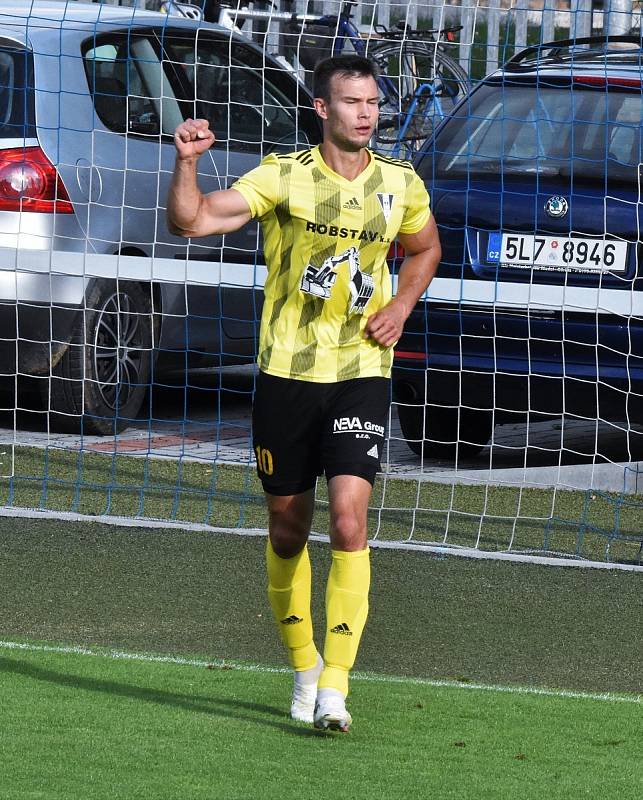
[(133, 91), (130, 88), (561, 130), (17, 117), (243, 106)]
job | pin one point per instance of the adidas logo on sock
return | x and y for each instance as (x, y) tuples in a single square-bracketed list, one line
[(353, 203), (291, 620), (343, 629)]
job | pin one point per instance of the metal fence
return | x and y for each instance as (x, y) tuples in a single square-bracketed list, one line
[(492, 30)]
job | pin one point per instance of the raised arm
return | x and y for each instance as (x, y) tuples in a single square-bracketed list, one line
[(423, 253), (189, 211)]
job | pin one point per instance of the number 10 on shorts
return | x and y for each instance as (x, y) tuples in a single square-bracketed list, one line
[(264, 460)]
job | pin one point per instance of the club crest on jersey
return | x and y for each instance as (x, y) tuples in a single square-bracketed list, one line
[(319, 281), (386, 201)]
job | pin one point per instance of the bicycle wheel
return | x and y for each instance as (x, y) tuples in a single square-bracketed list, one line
[(417, 72)]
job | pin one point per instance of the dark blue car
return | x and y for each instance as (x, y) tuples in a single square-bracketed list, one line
[(537, 308)]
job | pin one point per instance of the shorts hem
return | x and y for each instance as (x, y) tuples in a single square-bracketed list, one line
[(287, 489), (357, 470)]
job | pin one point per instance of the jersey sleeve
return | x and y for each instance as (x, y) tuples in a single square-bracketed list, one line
[(418, 206), (260, 186)]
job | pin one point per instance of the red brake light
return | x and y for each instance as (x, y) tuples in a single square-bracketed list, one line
[(30, 182), (395, 251), (604, 80), (410, 355)]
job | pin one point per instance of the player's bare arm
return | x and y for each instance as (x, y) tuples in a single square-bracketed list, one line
[(189, 211), (423, 253)]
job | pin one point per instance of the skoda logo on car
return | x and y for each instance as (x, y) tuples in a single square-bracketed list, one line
[(556, 206)]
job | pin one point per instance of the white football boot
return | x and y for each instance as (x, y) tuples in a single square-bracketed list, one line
[(304, 693), (330, 711)]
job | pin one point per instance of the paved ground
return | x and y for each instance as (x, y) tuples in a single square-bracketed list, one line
[(212, 421)]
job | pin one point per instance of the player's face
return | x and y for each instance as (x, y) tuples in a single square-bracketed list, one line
[(352, 112)]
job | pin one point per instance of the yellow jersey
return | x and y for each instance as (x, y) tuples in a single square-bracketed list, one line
[(326, 239)]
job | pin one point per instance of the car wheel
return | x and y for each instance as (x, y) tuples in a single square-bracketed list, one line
[(440, 432), (98, 385)]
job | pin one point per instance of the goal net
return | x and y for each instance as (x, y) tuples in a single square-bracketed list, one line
[(128, 354)]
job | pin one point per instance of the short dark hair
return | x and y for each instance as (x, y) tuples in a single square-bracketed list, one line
[(348, 65)]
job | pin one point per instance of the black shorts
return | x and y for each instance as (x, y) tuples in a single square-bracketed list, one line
[(302, 429)]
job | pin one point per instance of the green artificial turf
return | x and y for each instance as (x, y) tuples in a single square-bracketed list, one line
[(436, 617), (77, 727)]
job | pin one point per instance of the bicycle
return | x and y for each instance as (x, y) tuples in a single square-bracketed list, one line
[(419, 81), (421, 85)]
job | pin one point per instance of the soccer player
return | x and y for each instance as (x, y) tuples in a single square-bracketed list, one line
[(329, 323)]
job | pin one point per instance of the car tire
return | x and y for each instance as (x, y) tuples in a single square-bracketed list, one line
[(99, 384), (443, 432)]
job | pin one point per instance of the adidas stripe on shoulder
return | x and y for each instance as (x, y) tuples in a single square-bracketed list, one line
[(394, 161), (304, 157)]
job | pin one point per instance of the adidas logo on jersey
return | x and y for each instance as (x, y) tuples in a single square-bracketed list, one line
[(291, 620), (373, 452), (353, 204), (342, 629)]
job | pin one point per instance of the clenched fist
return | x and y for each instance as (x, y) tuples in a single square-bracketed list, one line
[(192, 138)]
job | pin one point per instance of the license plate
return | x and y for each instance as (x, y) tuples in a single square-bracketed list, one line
[(556, 253)]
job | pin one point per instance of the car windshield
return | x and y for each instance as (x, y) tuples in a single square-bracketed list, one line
[(577, 132), (16, 94)]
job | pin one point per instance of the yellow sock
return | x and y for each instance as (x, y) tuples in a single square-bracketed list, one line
[(289, 596), (346, 611)]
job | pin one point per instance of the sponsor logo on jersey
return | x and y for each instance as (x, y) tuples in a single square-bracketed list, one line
[(319, 281), (346, 233)]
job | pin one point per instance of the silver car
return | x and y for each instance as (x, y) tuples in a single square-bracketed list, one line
[(98, 299)]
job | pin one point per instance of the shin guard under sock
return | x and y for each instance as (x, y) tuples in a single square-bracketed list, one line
[(289, 596), (346, 612)]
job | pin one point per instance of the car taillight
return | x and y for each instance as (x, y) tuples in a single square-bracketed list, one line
[(395, 251), (410, 354), (605, 81), (30, 182)]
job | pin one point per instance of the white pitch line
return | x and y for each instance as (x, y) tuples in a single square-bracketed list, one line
[(368, 677), (410, 546)]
